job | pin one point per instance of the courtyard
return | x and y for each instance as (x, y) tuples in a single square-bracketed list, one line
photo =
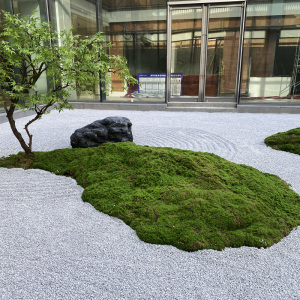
[(54, 246)]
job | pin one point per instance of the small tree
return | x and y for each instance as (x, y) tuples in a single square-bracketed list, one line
[(30, 48)]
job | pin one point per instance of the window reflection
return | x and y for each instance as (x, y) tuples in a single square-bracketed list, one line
[(81, 16), (137, 29), (272, 39), (2, 7)]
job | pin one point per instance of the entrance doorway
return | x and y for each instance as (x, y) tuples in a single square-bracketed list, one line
[(204, 51)]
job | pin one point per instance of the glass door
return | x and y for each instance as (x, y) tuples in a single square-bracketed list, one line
[(222, 52), (185, 53), (204, 51)]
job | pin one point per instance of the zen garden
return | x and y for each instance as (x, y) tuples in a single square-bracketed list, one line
[(191, 200)]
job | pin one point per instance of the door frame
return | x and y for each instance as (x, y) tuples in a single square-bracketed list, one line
[(204, 4)]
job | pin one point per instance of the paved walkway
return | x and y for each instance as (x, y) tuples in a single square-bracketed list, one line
[(54, 246)]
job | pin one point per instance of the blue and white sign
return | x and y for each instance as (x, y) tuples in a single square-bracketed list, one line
[(154, 84)]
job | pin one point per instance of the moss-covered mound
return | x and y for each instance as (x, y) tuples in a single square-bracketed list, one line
[(187, 199), (286, 141)]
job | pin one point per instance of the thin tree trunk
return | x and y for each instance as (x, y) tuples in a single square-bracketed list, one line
[(10, 117), (27, 131)]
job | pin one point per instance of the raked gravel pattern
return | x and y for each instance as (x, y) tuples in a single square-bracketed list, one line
[(54, 246)]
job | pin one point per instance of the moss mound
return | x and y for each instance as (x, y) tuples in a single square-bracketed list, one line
[(187, 199), (286, 141)]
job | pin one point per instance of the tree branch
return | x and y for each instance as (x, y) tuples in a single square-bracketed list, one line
[(60, 87), (38, 115), (35, 77)]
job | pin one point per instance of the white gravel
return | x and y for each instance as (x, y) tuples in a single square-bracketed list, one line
[(54, 246)]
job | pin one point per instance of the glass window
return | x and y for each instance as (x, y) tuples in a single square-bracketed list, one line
[(81, 15), (222, 51), (271, 62), (25, 7), (4, 5), (137, 29), (186, 48)]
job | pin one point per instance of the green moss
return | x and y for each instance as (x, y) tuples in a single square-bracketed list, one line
[(187, 199), (286, 141)]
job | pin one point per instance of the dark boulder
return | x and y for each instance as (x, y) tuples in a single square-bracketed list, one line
[(108, 130)]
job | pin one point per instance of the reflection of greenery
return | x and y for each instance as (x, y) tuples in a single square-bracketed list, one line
[(286, 141), (32, 49), (187, 199)]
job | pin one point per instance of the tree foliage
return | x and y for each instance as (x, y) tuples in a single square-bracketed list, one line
[(30, 49)]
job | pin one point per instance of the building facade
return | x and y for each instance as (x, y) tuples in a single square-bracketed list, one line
[(225, 51)]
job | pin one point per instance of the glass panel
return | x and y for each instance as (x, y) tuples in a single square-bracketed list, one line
[(81, 16), (4, 5), (222, 51), (272, 53), (84, 23), (137, 29), (26, 7), (186, 49)]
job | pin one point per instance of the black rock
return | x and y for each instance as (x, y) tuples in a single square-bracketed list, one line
[(108, 130)]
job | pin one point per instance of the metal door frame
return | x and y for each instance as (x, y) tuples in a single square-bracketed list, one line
[(205, 5)]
